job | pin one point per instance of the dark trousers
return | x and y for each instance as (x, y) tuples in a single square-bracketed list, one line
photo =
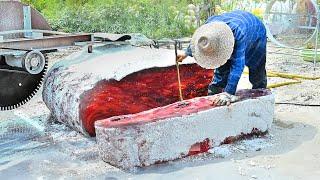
[(257, 77)]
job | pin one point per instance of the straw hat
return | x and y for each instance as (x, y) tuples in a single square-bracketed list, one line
[(212, 45)]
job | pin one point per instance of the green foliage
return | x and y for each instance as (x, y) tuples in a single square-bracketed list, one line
[(154, 18)]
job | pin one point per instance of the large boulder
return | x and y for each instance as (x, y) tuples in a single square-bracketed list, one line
[(118, 80)]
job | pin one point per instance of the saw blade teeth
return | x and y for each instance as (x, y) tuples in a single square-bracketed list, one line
[(32, 94)]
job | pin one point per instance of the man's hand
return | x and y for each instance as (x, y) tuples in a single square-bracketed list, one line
[(223, 99), (181, 56)]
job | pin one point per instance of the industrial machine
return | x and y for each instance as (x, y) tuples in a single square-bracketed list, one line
[(25, 38), (292, 23)]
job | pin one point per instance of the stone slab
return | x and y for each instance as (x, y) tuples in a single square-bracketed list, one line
[(181, 129)]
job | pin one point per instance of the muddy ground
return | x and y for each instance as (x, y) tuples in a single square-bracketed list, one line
[(34, 147)]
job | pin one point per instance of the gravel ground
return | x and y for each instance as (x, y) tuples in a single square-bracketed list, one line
[(34, 147)]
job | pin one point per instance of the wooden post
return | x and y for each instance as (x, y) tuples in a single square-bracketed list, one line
[(178, 70)]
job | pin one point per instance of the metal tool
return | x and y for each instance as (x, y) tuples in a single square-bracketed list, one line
[(17, 84), (25, 38), (294, 25), (178, 70)]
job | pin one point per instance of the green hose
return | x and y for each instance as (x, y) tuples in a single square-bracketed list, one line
[(308, 55)]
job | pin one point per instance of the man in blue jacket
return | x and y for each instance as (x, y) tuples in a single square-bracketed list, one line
[(228, 43)]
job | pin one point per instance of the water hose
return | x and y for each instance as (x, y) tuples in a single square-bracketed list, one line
[(276, 85), (295, 77), (308, 55), (291, 76)]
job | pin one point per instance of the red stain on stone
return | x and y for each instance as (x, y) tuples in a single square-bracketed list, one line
[(141, 91), (254, 133), (176, 109), (157, 114), (200, 147)]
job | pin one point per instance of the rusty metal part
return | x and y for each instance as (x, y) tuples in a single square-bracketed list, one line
[(112, 37), (47, 32), (16, 87), (24, 36), (47, 42), (12, 18)]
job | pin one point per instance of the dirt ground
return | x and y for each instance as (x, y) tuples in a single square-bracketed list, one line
[(33, 147)]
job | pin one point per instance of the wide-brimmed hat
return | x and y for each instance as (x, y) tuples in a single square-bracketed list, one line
[(212, 45)]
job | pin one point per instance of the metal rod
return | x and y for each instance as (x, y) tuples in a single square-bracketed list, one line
[(14, 71), (27, 25), (282, 53), (316, 47), (178, 70), (291, 14), (33, 30), (46, 42)]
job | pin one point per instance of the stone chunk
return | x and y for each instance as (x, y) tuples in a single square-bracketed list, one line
[(118, 80), (181, 129)]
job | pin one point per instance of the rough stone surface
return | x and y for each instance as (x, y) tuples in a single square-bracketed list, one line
[(115, 80), (181, 129)]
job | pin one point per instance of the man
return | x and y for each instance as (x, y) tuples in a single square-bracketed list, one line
[(228, 43)]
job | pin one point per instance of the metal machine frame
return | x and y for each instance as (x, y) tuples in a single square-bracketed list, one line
[(16, 44), (314, 37)]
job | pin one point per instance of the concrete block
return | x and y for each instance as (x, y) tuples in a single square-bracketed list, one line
[(181, 129)]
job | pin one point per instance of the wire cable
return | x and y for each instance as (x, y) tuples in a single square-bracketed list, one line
[(297, 104)]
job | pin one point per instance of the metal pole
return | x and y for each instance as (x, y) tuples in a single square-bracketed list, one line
[(27, 24), (316, 50), (315, 58)]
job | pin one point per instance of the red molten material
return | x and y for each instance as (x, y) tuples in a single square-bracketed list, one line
[(173, 110), (199, 148), (158, 114), (141, 91)]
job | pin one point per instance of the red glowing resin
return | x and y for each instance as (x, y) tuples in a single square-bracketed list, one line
[(141, 91), (173, 110)]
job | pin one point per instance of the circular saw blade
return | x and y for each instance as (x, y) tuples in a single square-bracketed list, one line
[(17, 88)]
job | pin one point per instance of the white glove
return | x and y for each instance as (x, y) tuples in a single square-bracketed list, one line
[(223, 99)]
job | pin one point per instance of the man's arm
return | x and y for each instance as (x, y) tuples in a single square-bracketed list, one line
[(184, 54), (237, 65), (188, 51)]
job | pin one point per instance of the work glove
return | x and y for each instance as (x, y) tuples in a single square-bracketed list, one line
[(181, 56), (223, 99)]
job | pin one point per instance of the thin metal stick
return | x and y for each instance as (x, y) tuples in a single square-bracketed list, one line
[(315, 58), (178, 70)]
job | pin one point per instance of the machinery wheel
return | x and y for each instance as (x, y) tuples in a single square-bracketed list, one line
[(34, 62)]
